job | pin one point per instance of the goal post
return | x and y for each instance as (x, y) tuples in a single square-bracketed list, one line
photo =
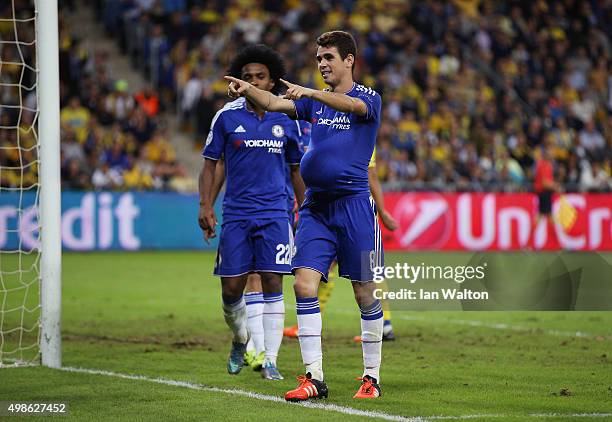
[(47, 54)]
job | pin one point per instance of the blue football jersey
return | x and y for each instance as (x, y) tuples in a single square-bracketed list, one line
[(256, 154), (341, 144)]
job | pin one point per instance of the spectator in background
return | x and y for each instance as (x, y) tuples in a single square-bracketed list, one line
[(562, 138), (119, 104), (157, 50), (137, 176), (140, 126), (192, 93), (509, 167), (148, 101), (592, 141), (74, 176), (205, 112), (158, 146), (595, 177), (106, 178), (75, 117), (116, 158), (71, 149), (583, 108)]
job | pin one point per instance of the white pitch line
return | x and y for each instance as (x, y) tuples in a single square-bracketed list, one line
[(322, 406), (244, 393), (530, 415)]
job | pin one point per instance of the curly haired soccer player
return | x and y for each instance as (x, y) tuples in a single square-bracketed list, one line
[(256, 235), (253, 293), (338, 217)]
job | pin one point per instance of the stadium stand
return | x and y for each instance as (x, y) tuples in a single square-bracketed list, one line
[(111, 138), (471, 89)]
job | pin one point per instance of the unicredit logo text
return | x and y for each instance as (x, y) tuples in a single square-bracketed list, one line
[(474, 221)]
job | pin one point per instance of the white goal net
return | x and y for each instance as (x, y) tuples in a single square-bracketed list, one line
[(20, 308)]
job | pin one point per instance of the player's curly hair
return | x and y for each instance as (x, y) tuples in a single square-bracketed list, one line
[(259, 53)]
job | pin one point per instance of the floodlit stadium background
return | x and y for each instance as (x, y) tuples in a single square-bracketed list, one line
[(471, 92)]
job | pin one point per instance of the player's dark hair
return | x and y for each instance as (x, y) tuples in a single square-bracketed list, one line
[(342, 40), (259, 53)]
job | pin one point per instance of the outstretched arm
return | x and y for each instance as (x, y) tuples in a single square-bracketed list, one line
[(335, 100), (270, 102), (264, 99)]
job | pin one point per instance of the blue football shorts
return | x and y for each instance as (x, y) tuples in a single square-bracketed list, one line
[(345, 229), (255, 245)]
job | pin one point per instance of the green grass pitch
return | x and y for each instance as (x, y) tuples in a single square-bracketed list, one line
[(158, 315)]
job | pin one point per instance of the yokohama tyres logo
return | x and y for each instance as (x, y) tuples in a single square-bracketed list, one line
[(492, 221)]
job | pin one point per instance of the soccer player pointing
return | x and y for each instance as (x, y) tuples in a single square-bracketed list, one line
[(338, 217), (256, 235)]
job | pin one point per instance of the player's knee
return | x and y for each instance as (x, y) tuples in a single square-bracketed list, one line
[(304, 288), (253, 283), (230, 291), (301, 289), (232, 287), (306, 282)]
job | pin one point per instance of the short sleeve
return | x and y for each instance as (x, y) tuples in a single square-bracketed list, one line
[(293, 151), (303, 109), (215, 141), (372, 101)]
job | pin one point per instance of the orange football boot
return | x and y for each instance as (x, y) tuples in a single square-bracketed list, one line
[(307, 389), (369, 388), (291, 332)]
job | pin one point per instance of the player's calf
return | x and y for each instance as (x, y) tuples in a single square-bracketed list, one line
[(371, 338), (234, 311)]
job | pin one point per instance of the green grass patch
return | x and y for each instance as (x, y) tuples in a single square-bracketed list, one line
[(158, 314)]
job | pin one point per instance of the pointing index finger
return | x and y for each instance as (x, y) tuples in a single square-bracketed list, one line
[(287, 84), (231, 79)]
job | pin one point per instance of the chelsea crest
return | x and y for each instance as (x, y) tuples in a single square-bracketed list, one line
[(278, 131)]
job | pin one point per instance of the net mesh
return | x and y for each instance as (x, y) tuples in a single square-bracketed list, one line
[(19, 187)]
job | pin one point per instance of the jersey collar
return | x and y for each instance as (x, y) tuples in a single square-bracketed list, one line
[(246, 108)]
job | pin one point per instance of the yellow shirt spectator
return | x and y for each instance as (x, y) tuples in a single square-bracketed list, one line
[(135, 178), (76, 117), (155, 147), (409, 126), (440, 152)]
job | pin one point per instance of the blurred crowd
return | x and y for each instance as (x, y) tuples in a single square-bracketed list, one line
[(111, 138), (18, 141), (472, 89)]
